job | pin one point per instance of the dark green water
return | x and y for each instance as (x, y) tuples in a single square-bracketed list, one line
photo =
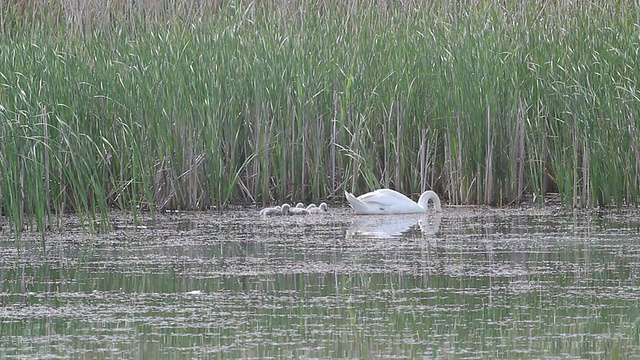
[(474, 283)]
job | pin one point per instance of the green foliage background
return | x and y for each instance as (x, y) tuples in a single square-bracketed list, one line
[(192, 104)]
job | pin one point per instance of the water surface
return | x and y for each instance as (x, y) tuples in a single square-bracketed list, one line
[(472, 283)]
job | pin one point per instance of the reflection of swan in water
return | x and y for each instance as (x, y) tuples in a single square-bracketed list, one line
[(394, 226), (429, 225), (387, 201)]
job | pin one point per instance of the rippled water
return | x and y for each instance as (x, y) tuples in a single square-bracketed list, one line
[(473, 283)]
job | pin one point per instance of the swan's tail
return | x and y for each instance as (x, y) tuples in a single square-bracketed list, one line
[(358, 206)]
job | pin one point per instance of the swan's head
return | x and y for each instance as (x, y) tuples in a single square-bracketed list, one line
[(285, 208), (311, 206), (430, 195), (324, 207)]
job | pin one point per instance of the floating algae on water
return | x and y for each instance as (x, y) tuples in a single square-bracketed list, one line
[(312, 284)]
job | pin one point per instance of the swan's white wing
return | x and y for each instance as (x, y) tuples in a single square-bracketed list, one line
[(384, 201), (385, 197)]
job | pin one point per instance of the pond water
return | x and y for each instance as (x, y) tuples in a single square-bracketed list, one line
[(472, 283)]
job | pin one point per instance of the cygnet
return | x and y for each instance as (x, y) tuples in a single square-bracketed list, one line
[(322, 209), (276, 211)]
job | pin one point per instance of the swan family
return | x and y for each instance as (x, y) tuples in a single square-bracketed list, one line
[(378, 202), (299, 209), (387, 201)]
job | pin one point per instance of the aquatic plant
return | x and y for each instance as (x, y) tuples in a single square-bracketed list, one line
[(193, 104)]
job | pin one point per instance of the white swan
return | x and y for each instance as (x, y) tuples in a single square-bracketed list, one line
[(387, 201), (323, 208), (276, 211)]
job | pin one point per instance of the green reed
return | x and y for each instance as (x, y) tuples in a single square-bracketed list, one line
[(189, 105)]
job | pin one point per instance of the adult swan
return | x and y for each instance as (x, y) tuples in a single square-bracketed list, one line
[(387, 201)]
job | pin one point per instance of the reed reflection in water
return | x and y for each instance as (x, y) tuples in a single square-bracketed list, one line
[(475, 283)]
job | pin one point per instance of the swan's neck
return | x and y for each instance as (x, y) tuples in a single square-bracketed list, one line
[(429, 195)]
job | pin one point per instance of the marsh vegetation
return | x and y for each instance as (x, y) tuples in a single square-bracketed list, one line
[(182, 104)]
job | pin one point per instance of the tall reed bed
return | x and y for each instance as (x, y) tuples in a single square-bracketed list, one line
[(194, 105)]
